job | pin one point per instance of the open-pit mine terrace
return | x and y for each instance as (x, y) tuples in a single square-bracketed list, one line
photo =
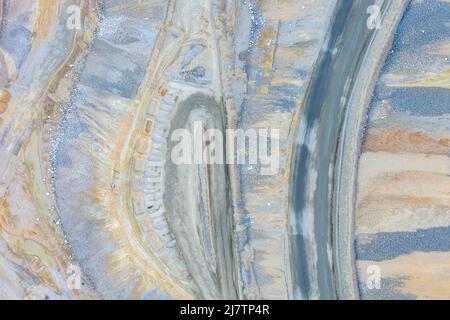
[(92, 205)]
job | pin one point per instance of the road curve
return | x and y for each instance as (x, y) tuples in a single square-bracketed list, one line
[(315, 149)]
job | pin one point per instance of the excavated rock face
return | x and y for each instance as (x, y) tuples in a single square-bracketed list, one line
[(403, 204), (92, 203)]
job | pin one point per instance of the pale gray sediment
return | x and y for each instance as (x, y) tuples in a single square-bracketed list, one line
[(199, 214)]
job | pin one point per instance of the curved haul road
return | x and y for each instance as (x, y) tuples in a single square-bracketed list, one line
[(315, 148)]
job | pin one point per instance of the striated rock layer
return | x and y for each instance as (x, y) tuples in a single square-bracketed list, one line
[(91, 90), (403, 205), (93, 207)]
